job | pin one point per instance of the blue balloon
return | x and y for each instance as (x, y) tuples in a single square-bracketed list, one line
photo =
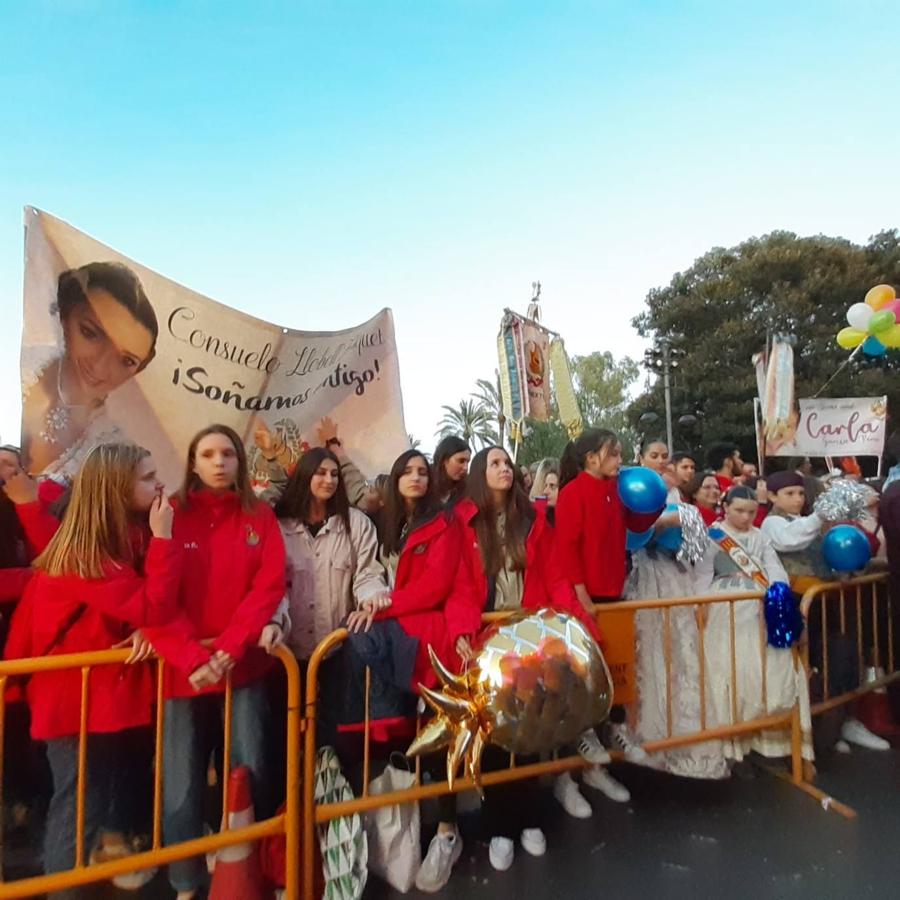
[(873, 347), (642, 490), (634, 540), (670, 538), (846, 548)]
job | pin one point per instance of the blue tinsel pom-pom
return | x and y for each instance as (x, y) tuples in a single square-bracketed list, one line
[(784, 623)]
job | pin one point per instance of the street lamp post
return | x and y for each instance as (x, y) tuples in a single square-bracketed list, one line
[(663, 358)]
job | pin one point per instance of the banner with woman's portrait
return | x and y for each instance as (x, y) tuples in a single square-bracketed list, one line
[(114, 351)]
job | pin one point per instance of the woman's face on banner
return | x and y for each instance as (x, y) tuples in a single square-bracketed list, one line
[(105, 344)]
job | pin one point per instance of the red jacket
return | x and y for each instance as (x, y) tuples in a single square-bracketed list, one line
[(38, 523), (120, 696), (13, 583), (709, 516), (426, 574), (544, 583), (591, 525), (234, 579)]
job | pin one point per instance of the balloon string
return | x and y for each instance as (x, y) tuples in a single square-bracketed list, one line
[(838, 371)]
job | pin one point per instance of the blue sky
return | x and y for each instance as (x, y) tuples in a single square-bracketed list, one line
[(311, 163)]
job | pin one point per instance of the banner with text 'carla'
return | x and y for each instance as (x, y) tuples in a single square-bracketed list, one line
[(830, 426), (114, 351)]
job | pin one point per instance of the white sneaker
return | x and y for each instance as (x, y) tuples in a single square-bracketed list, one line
[(597, 777), (841, 747), (854, 732), (443, 853), (534, 842), (501, 853), (622, 739), (590, 749), (571, 799)]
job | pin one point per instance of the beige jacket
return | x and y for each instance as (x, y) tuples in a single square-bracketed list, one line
[(328, 575)]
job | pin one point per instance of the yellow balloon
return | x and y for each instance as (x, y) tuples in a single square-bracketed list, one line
[(848, 338), (880, 295), (891, 337)]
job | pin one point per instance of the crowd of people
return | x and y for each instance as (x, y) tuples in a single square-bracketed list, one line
[(407, 562)]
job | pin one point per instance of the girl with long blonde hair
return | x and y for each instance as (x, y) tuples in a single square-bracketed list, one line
[(99, 579)]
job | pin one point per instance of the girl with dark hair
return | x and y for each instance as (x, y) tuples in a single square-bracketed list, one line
[(420, 546), (451, 466), (654, 454), (741, 558), (509, 563), (109, 333), (233, 583), (333, 571), (93, 586), (591, 529)]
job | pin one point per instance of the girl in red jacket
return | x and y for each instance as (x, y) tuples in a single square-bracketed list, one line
[(508, 563), (233, 583), (87, 594), (591, 528), (419, 546)]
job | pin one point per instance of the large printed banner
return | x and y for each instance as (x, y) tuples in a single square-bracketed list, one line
[(852, 426), (114, 351)]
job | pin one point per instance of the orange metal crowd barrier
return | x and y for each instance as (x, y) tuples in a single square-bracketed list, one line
[(866, 598), (286, 823), (789, 719), (859, 609)]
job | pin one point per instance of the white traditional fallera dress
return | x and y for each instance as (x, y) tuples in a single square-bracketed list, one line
[(656, 574), (785, 679)]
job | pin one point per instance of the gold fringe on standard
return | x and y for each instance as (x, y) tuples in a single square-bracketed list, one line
[(569, 412)]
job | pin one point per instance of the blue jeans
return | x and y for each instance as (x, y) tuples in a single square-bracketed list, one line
[(191, 732), (112, 795)]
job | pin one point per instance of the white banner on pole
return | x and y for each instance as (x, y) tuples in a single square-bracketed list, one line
[(826, 426)]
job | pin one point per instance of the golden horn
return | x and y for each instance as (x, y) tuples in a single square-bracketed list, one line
[(473, 761), (436, 734), (441, 703), (457, 752), (445, 676)]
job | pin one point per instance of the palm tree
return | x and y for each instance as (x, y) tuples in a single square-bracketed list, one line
[(469, 421), (488, 397), (414, 442)]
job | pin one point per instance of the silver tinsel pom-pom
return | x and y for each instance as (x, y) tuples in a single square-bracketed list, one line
[(844, 501), (694, 537)]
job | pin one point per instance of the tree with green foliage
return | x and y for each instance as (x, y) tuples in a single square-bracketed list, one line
[(470, 421), (490, 402), (722, 309)]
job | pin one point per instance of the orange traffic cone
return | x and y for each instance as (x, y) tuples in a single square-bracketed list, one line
[(237, 874)]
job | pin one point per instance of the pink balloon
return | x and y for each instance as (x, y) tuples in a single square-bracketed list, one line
[(894, 307)]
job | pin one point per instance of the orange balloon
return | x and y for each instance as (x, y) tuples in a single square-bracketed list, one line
[(880, 295)]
